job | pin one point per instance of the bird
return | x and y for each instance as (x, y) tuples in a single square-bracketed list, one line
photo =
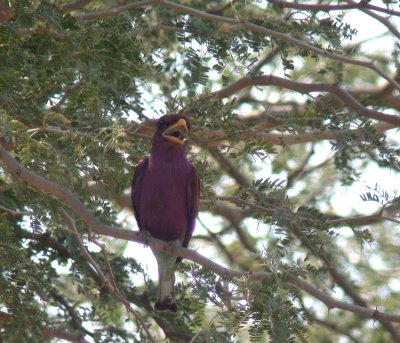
[(165, 196)]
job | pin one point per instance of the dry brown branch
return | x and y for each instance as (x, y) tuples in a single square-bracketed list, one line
[(286, 139), (45, 239), (296, 173), (66, 93), (335, 328), (6, 12), (216, 239), (356, 221), (69, 199), (235, 214)]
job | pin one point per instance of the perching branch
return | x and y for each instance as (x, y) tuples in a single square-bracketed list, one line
[(95, 226)]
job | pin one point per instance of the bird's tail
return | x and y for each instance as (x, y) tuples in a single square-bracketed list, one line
[(165, 300), (166, 282)]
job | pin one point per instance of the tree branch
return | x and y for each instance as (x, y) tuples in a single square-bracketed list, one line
[(304, 88), (299, 170), (65, 196)]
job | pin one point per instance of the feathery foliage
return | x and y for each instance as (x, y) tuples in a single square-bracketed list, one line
[(266, 84)]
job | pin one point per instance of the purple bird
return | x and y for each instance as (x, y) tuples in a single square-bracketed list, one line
[(165, 197)]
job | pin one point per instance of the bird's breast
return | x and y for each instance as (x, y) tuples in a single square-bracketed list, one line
[(164, 203)]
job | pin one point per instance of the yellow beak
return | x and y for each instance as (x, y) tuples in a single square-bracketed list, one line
[(177, 132)]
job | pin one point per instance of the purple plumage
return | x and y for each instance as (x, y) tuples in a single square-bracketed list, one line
[(165, 197)]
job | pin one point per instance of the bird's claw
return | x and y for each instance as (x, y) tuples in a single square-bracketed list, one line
[(171, 246), (145, 237)]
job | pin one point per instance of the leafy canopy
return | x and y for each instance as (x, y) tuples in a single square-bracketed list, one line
[(288, 105)]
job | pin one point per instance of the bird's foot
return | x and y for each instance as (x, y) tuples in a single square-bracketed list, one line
[(145, 237), (171, 246), (167, 305)]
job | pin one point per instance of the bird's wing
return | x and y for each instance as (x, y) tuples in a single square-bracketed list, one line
[(137, 187), (193, 209)]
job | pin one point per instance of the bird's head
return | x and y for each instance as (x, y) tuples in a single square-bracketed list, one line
[(173, 130)]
